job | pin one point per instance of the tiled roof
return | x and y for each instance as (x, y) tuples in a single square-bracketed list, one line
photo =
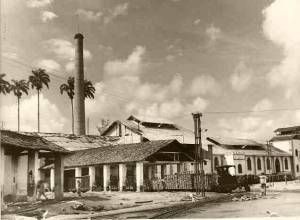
[(74, 142), (116, 154), (27, 141)]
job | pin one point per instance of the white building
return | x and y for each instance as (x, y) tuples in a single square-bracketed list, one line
[(249, 157), (288, 140)]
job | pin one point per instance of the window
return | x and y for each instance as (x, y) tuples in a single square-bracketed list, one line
[(240, 169), (216, 161), (258, 164), (296, 153), (268, 164), (297, 167), (286, 164), (249, 164)]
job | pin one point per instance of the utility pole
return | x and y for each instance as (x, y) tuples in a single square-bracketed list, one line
[(198, 154)]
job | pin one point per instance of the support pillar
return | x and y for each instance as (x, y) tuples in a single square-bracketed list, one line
[(92, 174), (139, 176), (264, 162), (254, 165), (106, 177), (158, 171), (211, 157), (33, 172), (59, 177), (122, 176), (2, 169), (168, 169), (77, 175), (52, 179)]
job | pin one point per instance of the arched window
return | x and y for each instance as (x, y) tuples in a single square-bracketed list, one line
[(240, 169), (297, 167), (249, 164), (268, 164), (216, 161), (258, 164), (286, 164), (296, 153)]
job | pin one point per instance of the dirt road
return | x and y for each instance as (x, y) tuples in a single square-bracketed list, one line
[(276, 204)]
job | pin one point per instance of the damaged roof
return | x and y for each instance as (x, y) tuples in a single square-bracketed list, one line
[(117, 153), (154, 130), (27, 141), (74, 142)]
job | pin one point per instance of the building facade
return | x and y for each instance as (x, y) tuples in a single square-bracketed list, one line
[(288, 140)]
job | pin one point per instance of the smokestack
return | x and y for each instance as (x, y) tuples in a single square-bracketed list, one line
[(79, 110)]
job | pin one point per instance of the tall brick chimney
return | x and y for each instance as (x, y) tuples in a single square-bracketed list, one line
[(79, 110)]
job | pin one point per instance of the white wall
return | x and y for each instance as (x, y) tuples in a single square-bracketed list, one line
[(8, 175), (127, 136), (296, 145)]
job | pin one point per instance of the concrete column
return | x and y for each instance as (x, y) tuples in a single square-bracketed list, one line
[(264, 163), (106, 176), (52, 179), (2, 169), (168, 169), (33, 168), (77, 174), (122, 176), (92, 174), (139, 176), (59, 177), (174, 168), (158, 171), (211, 157), (255, 164)]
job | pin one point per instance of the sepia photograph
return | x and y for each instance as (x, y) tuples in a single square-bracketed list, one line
[(149, 109)]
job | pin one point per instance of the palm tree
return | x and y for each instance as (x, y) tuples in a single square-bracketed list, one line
[(89, 91), (38, 79), (69, 89), (4, 85), (19, 87)]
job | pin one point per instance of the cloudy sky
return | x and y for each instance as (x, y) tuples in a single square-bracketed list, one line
[(159, 59)]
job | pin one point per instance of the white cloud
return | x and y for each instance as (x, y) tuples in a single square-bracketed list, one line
[(202, 85), (64, 49), (213, 33), (38, 3), (282, 26), (48, 16), (128, 68), (197, 21), (89, 15), (123, 88), (241, 77), (118, 10), (51, 118), (70, 66), (263, 104), (10, 55), (48, 64), (170, 58)]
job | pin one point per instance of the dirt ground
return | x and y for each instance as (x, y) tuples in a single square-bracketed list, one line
[(102, 201)]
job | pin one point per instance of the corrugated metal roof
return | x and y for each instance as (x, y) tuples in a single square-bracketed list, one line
[(74, 142), (291, 128), (28, 141), (116, 154), (286, 137)]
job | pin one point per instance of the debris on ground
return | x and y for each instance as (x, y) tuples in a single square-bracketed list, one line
[(246, 198), (272, 214)]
